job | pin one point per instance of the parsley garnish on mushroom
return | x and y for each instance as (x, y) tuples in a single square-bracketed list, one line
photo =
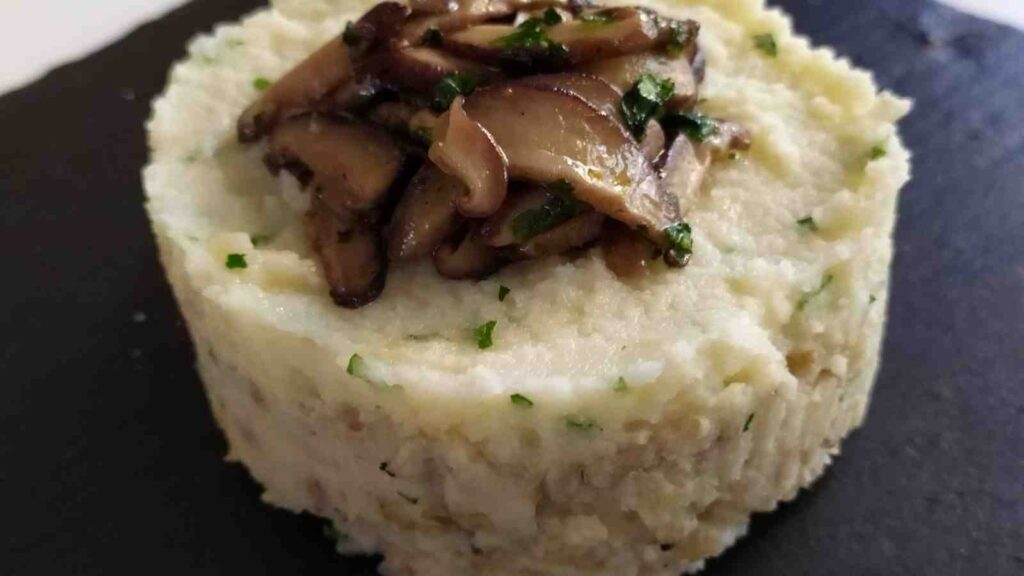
[(646, 100)]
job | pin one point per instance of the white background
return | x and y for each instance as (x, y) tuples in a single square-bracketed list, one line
[(36, 35)]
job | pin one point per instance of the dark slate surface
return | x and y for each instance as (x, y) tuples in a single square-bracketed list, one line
[(110, 463)]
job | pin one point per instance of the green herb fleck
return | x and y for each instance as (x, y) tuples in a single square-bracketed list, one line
[(521, 401), (558, 207), (236, 262), (680, 36), (551, 17), (750, 419), (766, 43), (681, 237), (357, 367), (259, 239), (581, 423), (645, 100), (877, 152), (450, 87), (697, 127), (872, 299), (261, 83), (503, 293), (334, 535), (410, 499), (807, 297), (530, 33), (384, 468), (192, 157), (621, 385), (808, 223), (433, 36), (484, 335), (350, 36), (598, 18)]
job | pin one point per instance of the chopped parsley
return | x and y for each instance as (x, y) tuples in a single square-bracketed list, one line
[(808, 296), (557, 208), (872, 299), (521, 401), (350, 36), (357, 367), (261, 83), (451, 86), (259, 239), (680, 36), (236, 262), (877, 152), (645, 100), (433, 36), (503, 293), (551, 17), (621, 385), (597, 18), (484, 335), (750, 419), (697, 127), (681, 236), (581, 423), (766, 43), (808, 223)]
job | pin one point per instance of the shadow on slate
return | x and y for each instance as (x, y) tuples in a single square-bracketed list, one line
[(110, 462)]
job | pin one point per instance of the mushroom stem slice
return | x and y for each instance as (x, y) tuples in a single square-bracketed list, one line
[(298, 91), (553, 135), (352, 164), (575, 233), (627, 253), (350, 252), (466, 258), (425, 215), (466, 150), (686, 166)]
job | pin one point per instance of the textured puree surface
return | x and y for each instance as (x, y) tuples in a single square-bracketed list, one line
[(741, 372)]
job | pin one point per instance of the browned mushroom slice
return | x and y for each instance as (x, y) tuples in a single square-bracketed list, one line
[(466, 258), (297, 91), (500, 230), (685, 167), (471, 12), (377, 27), (394, 116), (351, 95), (575, 233), (728, 136), (433, 6), (597, 92), (551, 135), (576, 41), (420, 69), (425, 215), (466, 150), (353, 164), (623, 72), (351, 254), (627, 253)]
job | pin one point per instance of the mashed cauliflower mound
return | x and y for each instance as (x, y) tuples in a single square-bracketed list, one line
[(664, 411)]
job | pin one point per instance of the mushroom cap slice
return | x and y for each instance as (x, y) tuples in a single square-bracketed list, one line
[(627, 253), (426, 214), (597, 92), (350, 252), (298, 91), (683, 173), (352, 164), (466, 150), (551, 135), (419, 69), (499, 229), (575, 233), (378, 27), (624, 71), (466, 258)]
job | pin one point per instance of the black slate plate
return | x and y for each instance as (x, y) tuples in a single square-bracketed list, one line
[(110, 462)]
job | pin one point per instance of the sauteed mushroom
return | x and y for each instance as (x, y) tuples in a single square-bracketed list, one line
[(351, 253), (426, 214)]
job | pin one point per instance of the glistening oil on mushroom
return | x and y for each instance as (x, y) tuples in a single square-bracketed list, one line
[(481, 133)]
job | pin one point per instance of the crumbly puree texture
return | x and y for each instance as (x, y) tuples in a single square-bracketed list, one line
[(650, 417)]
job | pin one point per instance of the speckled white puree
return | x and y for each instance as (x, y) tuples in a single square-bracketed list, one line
[(744, 370)]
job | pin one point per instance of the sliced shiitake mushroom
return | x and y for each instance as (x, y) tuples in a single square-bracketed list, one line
[(419, 69), (471, 12), (501, 229), (378, 27), (426, 214), (686, 165), (351, 253), (728, 136), (466, 150), (433, 6), (298, 91), (552, 135), (577, 232), (464, 257), (562, 45), (624, 71), (627, 253), (352, 164)]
